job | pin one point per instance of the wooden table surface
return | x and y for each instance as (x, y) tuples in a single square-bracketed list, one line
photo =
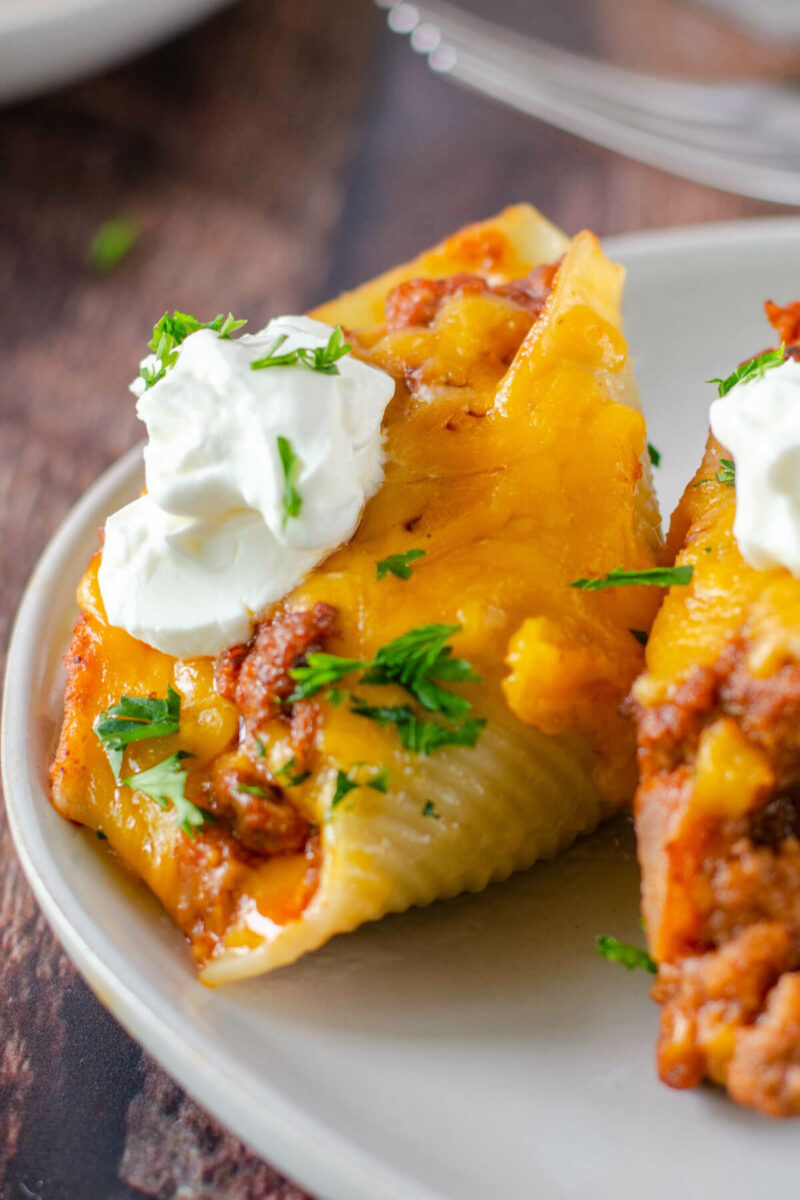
[(285, 149)]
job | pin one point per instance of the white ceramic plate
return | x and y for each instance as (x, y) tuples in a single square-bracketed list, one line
[(478, 1049), (47, 43)]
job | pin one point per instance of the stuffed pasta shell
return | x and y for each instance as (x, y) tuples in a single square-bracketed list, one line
[(330, 664)]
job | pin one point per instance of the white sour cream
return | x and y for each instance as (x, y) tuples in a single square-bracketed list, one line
[(758, 422), (188, 566)]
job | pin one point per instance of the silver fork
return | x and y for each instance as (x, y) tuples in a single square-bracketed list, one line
[(743, 137)]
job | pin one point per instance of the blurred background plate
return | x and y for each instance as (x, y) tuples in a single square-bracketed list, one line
[(776, 18), (46, 43)]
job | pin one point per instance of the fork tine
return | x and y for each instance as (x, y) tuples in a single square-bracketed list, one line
[(460, 30), (741, 142), (752, 146), (772, 176)]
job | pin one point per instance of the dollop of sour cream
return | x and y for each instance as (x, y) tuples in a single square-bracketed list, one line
[(758, 422), (188, 565)]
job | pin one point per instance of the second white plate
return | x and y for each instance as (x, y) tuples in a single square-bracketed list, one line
[(47, 43), (479, 1048)]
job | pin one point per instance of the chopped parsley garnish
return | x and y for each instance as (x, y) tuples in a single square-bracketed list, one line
[(655, 455), (290, 777), (229, 325), (321, 670), (398, 564), (271, 358), (640, 636), (651, 577), (419, 735), (166, 784), (252, 789), (318, 358), (337, 696), (110, 244), (292, 500), (756, 367), (344, 784), (133, 719), (429, 810), (426, 737), (361, 774), (367, 775), (631, 957), (383, 714), (419, 660), (726, 474), (168, 334)]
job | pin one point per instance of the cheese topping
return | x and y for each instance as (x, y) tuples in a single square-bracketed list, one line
[(758, 422), (188, 566)]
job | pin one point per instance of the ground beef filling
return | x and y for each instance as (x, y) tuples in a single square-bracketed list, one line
[(255, 676), (255, 817), (240, 791), (213, 881), (416, 302), (731, 998)]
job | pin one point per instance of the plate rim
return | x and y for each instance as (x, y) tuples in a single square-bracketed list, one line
[(299, 1144), (339, 1169)]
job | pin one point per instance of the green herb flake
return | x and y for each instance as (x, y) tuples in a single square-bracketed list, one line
[(230, 325), (337, 696), (420, 661), (321, 670), (322, 359), (420, 735), (102, 837), (429, 810), (426, 737), (134, 719), (170, 331), (630, 957), (271, 358), (252, 789), (289, 776), (292, 500), (344, 785), (755, 368), (726, 474), (380, 780), (382, 714), (366, 774), (398, 564), (652, 577), (655, 455), (166, 784), (112, 241), (707, 549)]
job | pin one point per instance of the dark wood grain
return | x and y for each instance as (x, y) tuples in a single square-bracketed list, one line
[(269, 158)]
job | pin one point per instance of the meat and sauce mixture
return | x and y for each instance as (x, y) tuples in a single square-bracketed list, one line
[(718, 807)]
